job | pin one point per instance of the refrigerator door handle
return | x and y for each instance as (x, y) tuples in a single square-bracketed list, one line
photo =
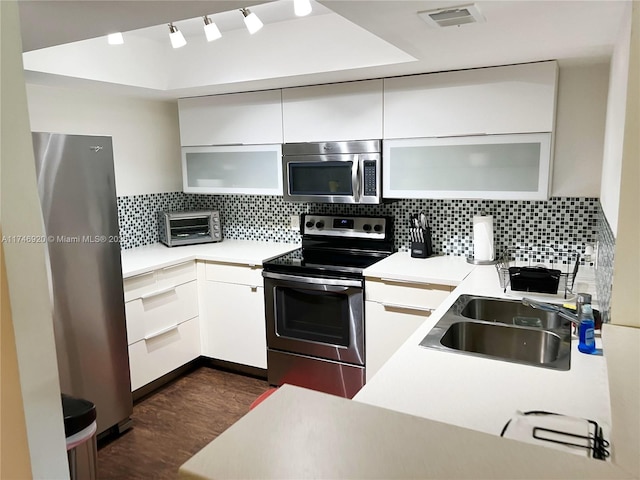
[(161, 332)]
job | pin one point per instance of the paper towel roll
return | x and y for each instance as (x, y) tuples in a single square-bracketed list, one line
[(483, 238)]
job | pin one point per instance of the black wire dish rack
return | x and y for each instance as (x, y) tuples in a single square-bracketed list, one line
[(541, 270), (593, 442)]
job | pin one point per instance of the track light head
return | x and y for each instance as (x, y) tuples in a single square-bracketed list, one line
[(211, 29), (115, 38), (302, 7), (251, 20), (176, 37)]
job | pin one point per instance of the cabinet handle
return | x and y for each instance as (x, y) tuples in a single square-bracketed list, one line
[(409, 282), (407, 307), (157, 293), (254, 288), (177, 265), (161, 332)]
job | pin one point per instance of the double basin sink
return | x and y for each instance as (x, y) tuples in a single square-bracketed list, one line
[(505, 330)]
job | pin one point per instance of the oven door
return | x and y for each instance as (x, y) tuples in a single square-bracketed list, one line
[(319, 317)]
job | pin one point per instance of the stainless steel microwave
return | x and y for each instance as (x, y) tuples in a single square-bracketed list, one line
[(188, 228), (332, 172)]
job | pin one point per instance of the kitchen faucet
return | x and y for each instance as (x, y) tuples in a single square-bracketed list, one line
[(574, 318)]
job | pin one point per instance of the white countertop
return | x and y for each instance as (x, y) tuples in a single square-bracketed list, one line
[(483, 394), (136, 261), (428, 413), (298, 433), (444, 270)]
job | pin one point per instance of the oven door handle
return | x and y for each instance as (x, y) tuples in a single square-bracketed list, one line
[(313, 280)]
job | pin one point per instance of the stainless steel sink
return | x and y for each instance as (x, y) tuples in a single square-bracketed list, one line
[(511, 313), (503, 330)]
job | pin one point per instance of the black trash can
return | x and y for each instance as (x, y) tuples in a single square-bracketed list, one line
[(80, 431)]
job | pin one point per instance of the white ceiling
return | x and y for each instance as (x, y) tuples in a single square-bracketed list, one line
[(342, 40)]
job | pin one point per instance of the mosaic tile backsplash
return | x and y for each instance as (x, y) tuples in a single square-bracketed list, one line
[(604, 269), (564, 223)]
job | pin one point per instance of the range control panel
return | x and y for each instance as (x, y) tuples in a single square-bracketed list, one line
[(344, 226)]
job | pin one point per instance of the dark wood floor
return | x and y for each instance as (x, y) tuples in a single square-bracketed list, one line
[(175, 422)]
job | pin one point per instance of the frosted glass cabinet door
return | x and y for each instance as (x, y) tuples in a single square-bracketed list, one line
[(497, 167), (233, 169)]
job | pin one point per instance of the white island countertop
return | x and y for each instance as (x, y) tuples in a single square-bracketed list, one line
[(136, 261)]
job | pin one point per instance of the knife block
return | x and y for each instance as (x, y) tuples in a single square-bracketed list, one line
[(420, 242)]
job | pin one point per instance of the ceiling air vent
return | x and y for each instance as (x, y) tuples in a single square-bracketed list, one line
[(447, 17)]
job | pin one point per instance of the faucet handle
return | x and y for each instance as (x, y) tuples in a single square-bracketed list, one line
[(582, 299)]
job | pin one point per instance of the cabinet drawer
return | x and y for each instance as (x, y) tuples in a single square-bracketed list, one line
[(139, 285), (397, 293), (176, 274), (162, 309), (146, 283), (150, 359), (234, 273)]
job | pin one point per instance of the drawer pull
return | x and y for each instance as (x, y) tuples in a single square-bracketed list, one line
[(254, 288), (409, 282), (407, 307), (177, 265), (157, 293), (161, 332)]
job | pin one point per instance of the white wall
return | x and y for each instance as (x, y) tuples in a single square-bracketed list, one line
[(626, 269), (25, 264), (146, 140), (580, 122), (614, 131)]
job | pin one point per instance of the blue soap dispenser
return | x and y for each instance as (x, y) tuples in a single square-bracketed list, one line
[(586, 330)]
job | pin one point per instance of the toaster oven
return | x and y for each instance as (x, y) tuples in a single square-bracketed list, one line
[(188, 228)]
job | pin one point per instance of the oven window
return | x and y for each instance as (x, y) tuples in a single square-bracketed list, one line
[(318, 316), (320, 178)]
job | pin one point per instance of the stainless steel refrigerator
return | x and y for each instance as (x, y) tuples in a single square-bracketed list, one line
[(76, 185)]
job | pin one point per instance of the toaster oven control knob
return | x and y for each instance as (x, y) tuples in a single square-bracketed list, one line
[(309, 224), (319, 224), (366, 227), (378, 228)]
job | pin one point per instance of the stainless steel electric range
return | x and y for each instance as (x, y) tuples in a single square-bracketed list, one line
[(314, 303)]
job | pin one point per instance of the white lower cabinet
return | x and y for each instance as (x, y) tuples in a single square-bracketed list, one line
[(233, 321), (153, 357), (163, 330), (387, 328), (393, 312)]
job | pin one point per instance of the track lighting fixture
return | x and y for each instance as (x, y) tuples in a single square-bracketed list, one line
[(115, 38), (251, 20), (302, 7), (211, 29), (176, 37)]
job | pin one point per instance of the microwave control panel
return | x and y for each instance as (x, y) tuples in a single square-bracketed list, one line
[(370, 180)]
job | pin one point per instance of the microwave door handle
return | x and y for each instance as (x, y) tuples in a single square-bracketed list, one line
[(355, 177)]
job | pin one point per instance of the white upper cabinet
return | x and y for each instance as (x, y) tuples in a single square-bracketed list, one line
[(495, 167), (340, 111), (499, 100), (238, 118)]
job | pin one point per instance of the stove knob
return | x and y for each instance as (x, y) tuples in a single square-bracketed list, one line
[(366, 227), (309, 224), (319, 224), (378, 228)]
